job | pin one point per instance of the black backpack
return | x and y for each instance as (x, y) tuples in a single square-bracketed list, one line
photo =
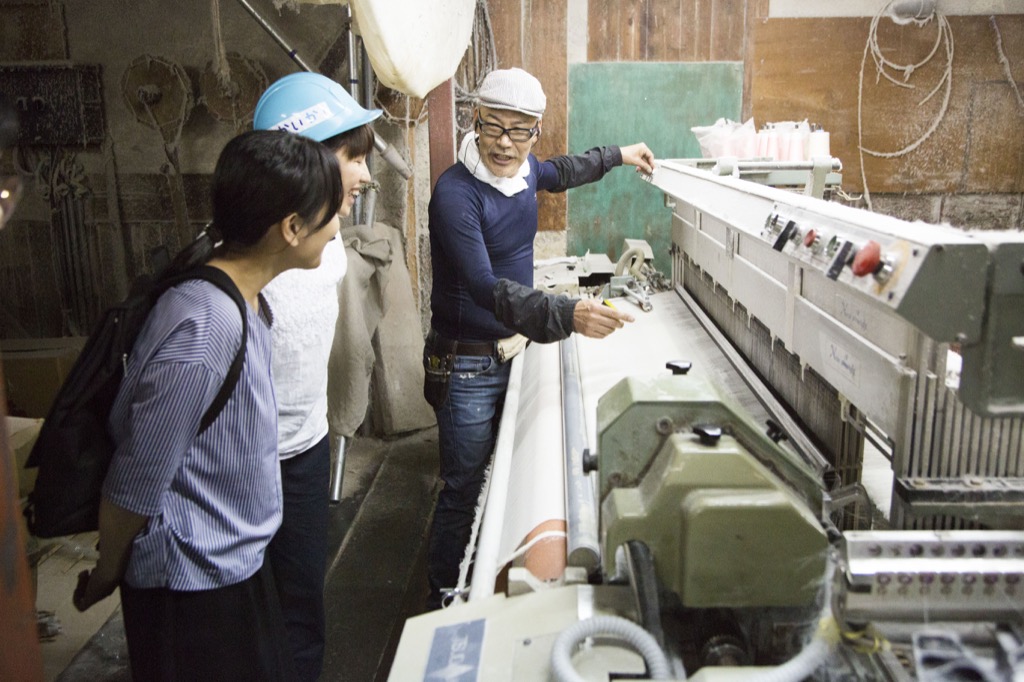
[(74, 449)]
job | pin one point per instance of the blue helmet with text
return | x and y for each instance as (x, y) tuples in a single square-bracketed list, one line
[(312, 105)]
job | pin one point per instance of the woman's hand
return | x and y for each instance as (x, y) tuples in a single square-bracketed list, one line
[(118, 528), (92, 587)]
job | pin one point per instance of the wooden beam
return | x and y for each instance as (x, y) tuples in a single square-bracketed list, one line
[(20, 657), (441, 128)]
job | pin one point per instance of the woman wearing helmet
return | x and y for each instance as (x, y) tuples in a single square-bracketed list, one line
[(305, 305)]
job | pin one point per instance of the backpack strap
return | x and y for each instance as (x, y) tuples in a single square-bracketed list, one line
[(226, 284)]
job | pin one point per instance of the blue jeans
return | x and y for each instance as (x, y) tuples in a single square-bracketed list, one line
[(467, 426), (298, 555)]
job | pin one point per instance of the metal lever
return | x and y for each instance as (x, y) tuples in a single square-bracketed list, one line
[(775, 431), (784, 236), (638, 297), (839, 262), (709, 434), (679, 366)]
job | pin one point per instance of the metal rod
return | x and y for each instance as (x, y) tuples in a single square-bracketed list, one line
[(275, 35), (353, 89), (805, 449), (337, 476), (370, 205), (582, 548), (369, 196), (353, 51)]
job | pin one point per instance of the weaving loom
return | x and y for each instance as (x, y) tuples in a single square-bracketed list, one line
[(684, 499)]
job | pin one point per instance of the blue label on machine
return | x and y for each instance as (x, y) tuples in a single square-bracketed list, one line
[(455, 652)]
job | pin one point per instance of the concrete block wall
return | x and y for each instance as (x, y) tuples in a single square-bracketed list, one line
[(965, 211)]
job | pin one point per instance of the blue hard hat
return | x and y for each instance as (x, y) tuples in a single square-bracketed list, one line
[(312, 105)]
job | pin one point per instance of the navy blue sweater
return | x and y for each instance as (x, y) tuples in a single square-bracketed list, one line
[(479, 238)]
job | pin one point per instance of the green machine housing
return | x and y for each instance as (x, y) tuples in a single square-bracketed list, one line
[(731, 518)]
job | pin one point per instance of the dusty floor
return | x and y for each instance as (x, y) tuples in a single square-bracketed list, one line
[(375, 580)]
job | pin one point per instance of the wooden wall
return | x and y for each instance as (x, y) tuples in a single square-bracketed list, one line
[(804, 68), (602, 214), (809, 68), (666, 30), (533, 34)]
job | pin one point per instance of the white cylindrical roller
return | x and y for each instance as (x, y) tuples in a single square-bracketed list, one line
[(485, 566)]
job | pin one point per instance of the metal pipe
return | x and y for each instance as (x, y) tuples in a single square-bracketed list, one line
[(337, 444), (370, 204), (354, 43), (726, 166), (582, 548), (353, 50), (275, 35)]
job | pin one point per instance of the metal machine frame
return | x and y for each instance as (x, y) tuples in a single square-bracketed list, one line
[(872, 304), (722, 548)]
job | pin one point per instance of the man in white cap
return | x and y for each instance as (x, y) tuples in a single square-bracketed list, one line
[(483, 220)]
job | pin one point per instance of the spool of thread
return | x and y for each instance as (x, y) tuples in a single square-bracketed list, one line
[(749, 145), (762, 142), (772, 145), (818, 144), (795, 146), (743, 143)]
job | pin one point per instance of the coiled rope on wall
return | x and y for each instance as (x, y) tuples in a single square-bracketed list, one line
[(1004, 62), (883, 66)]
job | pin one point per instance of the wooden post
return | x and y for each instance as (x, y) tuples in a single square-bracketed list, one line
[(441, 121), (20, 658)]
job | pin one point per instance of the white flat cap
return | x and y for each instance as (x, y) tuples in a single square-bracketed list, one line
[(512, 89)]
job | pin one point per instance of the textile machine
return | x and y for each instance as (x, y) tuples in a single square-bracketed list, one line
[(804, 460)]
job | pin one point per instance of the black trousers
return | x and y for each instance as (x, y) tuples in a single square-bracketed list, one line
[(298, 555), (230, 633)]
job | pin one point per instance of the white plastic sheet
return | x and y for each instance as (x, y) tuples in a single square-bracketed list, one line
[(414, 45)]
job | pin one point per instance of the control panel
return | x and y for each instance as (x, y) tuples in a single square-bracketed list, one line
[(892, 268), (836, 251)]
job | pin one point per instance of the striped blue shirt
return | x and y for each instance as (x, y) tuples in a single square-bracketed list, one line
[(213, 500)]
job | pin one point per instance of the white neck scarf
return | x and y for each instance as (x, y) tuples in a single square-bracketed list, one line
[(469, 155)]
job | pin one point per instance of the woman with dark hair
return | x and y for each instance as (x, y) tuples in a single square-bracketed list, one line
[(185, 519)]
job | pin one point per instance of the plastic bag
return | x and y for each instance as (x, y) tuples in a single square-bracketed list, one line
[(727, 138)]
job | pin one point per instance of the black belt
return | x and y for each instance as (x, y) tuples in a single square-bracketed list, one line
[(442, 346)]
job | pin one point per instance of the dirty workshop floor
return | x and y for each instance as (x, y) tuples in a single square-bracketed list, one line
[(375, 580)]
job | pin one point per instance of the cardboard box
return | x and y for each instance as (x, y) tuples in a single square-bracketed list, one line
[(34, 370)]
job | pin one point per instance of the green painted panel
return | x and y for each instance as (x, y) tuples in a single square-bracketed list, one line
[(626, 102)]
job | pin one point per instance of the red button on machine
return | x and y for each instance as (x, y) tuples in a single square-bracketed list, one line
[(868, 259), (810, 237)]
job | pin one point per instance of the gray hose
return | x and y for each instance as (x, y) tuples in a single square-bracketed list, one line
[(633, 259), (614, 626), (801, 666)]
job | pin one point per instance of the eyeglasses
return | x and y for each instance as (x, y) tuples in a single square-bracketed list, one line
[(495, 131)]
